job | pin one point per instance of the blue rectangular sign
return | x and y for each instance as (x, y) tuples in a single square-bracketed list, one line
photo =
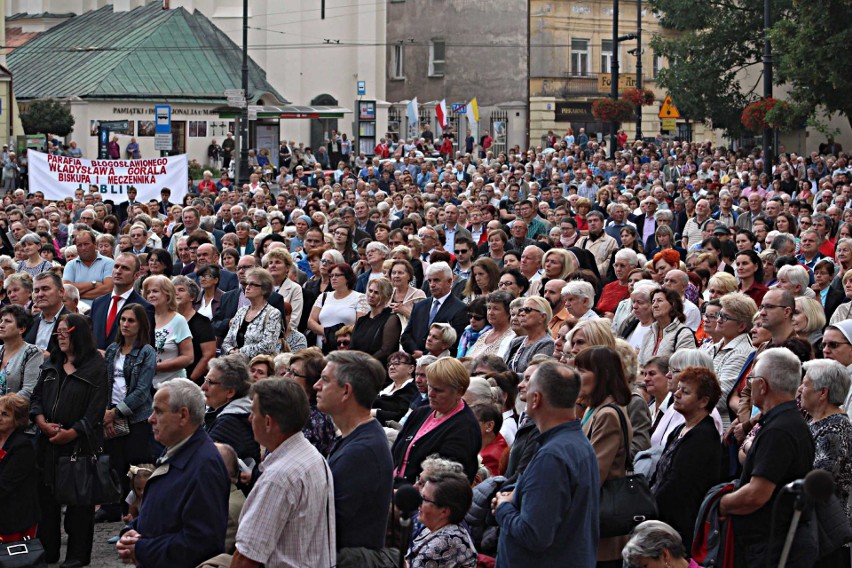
[(163, 119)]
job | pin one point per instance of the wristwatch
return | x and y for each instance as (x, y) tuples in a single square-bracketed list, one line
[(94, 283)]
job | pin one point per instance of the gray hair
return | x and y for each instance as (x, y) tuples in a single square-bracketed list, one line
[(581, 289), (481, 392), (361, 371), (31, 238), (690, 358), (831, 375), (189, 283), (207, 222), (441, 268), (649, 539), (234, 373), (183, 393), (72, 293), (381, 248), (629, 255), (663, 215), (6, 260), (448, 333), (426, 360), (797, 274), (786, 369), (438, 465)]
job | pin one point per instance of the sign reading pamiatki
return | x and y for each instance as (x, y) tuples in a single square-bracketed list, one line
[(59, 176)]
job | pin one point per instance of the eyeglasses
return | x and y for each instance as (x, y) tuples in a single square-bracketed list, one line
[(66, 333), (397, 363), (476, 317), (253, 285), (207, 381), (527, 310), (766, 306), (335, 275), (326, 261), (727, 318), (295, 374), (206, 277), (751, 378), (462, 251), (834, 344), (343, 343), (425, 500), (711, 317)]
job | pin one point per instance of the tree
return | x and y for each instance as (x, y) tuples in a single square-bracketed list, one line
[(47, 115), (711, 47), (810, 39)]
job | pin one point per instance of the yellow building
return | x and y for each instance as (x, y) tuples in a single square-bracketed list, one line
[(571, 51)]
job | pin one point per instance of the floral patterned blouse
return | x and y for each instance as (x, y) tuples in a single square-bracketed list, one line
[(448, 547)]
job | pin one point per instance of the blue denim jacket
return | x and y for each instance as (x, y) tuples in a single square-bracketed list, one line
[(139, 367)]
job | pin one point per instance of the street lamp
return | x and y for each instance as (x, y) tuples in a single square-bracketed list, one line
[(616, 39), (243, 167), (767, 81)]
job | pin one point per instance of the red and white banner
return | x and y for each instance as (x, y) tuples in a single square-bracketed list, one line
[(59, 176), (441, 113)]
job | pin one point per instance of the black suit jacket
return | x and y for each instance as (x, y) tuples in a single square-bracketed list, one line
[(833, 300), (369, 229), (228, 305), (19, 481), (453, 311), (640, 227), (32, 332), (227, 280), (100, 312)]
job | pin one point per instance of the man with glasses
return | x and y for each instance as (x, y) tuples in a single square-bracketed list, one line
[(464, 250), (234, 299), (782, 452), (776, 314), (837, 346)]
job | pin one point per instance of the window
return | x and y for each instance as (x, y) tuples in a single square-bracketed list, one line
[(197, 129), (580, 57), (398, 62), (437, 51), (658, 64), (606, 56)]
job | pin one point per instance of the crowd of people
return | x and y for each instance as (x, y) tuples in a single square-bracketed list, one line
[(267, 364)]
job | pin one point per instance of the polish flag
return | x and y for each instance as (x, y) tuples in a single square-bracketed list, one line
[(441, 113)]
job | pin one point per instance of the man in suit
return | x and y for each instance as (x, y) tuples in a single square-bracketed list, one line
[(452, 229), (233, 300), (347, 214), (646, 225), (164, 203), (443, 307), (49, 294), (105, 309), (139, 238), (123, 208), (208, 254)]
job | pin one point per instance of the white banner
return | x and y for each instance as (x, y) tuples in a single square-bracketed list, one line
[(59, 176)]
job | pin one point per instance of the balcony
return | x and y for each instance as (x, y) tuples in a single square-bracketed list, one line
[(573, 86)]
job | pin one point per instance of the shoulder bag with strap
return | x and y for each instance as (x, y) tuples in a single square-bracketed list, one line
[(627, 501)]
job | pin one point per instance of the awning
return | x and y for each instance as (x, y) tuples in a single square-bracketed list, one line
[(287, 111)]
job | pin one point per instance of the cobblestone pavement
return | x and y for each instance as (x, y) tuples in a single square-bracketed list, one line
[(103, 553)]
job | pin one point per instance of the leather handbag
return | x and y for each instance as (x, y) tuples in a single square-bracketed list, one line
[(627, 501), (27, 553), (86, 479)]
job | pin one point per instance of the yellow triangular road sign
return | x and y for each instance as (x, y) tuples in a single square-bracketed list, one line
[(668, 110)]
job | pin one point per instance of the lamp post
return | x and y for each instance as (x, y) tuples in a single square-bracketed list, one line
[(767, 81), (242, 173), (614, 76), (639, 65)]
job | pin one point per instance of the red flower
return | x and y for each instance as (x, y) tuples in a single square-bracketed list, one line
[(754, 115)]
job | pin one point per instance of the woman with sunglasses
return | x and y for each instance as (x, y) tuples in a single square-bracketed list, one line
[(68, 407), (477, 315), (377, 332), (130, 363), (534, 317), (394, 400), (256, 327)]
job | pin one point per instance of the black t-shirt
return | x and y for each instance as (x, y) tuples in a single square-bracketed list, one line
[(782, 452), (202, 332)]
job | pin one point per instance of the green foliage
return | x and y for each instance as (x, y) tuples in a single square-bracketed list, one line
[(713, 44), (197, 169), (811, 39), (47, 115)]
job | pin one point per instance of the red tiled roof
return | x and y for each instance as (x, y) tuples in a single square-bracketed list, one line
[(15, 38)]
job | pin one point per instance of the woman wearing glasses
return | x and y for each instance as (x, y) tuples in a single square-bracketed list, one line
[(226, 421), (130, 363), (335, 309), (208, 299), (393, 401), (377, 332), (534, 317), (733, 324), (305, 368), (256, 328), (68, 407)]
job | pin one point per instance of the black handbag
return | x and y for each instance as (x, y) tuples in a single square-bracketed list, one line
[(627, 501), (27, 553), (86, 479)]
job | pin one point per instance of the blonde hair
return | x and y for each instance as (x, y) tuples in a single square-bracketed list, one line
[(166, 287)]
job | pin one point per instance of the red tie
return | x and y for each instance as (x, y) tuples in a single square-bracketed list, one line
[(113, 311)]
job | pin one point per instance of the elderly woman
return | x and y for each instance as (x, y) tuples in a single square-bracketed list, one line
[(654, 543), (246, 243), (605, 394), (226, 389), (656, 385), (496, 340), (335, 309), (446, 500), (639, 325), (668, 333), (19, 506), (30, 250), (172, 336), (663, 262), (794, 279), (394, 400), (823, 391), (207, 301), (809, 321), (294, 339), (305, 368), (534, 317), (405, 295), (200, 328), (484, 279), (733, 325), (579, 299), (377, 332), (68, 406), (512, 281), (256, 327), (446, 427), (279, 263), (843, 312), (691, 461), (624, 261), (20, 361)]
